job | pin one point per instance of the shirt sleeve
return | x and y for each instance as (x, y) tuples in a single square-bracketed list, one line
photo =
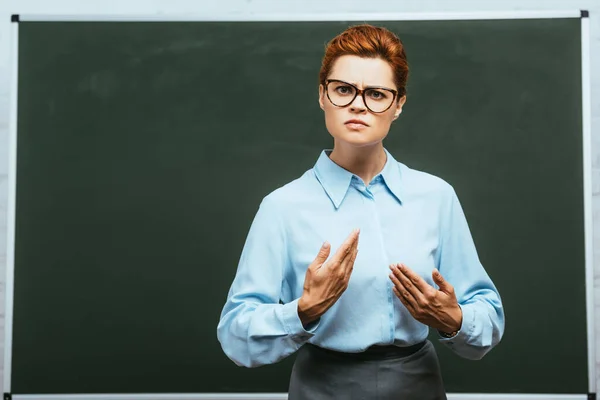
[(458, 262), (254, 327)]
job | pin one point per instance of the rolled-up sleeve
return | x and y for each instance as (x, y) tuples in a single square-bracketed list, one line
[(458, 262), (254, 327)]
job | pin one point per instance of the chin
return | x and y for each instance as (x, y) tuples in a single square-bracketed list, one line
[(358, 139)]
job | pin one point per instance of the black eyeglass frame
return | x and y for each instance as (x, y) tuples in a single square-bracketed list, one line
[(360, 92)]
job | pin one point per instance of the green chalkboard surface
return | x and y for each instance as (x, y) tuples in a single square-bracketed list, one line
[(145, 148)]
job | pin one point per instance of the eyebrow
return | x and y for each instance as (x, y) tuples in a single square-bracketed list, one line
[(366, 87)]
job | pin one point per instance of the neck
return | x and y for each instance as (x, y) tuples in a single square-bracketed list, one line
[(365, 162)]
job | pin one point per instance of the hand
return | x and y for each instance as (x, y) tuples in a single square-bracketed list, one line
[(326, 281), (437, 308)]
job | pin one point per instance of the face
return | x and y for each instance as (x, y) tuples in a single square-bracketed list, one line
[(355, 124)]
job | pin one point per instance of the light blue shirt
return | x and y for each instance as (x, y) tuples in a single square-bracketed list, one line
[(405, 216)]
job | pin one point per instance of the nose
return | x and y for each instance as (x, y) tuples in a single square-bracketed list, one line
[(358, 104)]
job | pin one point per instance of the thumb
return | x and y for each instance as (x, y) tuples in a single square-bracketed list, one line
[(323, 253), (441, 282)]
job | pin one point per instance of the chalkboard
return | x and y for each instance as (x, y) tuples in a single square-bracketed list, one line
[(145, 148)]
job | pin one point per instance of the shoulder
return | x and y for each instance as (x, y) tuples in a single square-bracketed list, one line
[(282, 198), (421, 182)]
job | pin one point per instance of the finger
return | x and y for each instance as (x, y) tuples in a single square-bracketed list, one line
[(414, 278), (407, 285), (345, 249), (349, 264), (409, 306), (441, 282), (402, 291), (323, 253)]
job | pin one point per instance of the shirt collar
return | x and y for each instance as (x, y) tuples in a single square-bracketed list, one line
[(336, 180)]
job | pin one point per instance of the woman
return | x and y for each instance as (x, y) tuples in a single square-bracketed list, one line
[(360, 319)]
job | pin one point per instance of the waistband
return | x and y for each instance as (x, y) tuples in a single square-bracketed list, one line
[(375, 352)]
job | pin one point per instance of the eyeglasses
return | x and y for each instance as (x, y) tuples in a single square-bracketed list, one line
[(376, 99)]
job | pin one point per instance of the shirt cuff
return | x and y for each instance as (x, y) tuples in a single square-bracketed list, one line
[(466, 329), (293, 324)]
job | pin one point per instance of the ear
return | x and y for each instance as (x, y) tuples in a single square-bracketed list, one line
[(399, 106), (321, 97)]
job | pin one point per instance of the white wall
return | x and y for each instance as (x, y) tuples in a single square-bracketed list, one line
[(62, 7)]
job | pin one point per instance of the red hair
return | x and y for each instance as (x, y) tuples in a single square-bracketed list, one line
[(368, 41)]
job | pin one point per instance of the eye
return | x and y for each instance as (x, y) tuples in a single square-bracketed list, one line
[(344, 89), (376, 94)]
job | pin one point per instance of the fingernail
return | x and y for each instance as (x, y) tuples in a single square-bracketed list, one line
[(326, 244)]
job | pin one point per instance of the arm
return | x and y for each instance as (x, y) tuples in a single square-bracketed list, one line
[(457, 260), (254, 328)]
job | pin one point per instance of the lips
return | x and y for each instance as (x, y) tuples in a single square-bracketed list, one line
[(356, 121)]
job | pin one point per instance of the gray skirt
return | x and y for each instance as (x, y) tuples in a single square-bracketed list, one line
[(381, 373)]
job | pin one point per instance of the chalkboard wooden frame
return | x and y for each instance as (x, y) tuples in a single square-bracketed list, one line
[(586, 117)]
